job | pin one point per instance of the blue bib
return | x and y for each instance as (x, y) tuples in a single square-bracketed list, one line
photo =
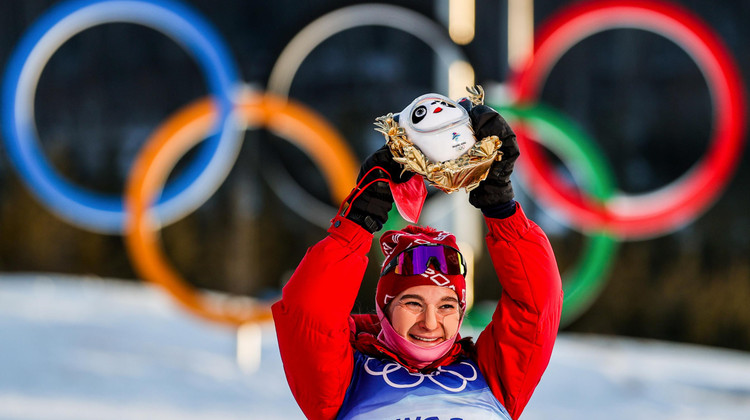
[(383, 389)]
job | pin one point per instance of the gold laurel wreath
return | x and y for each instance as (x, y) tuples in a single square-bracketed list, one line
[(466, 171)]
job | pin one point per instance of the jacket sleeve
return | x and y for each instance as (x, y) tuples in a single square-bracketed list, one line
[(312, 319), (514, 349)]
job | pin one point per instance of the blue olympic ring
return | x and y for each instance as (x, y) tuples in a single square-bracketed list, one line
[(97, 211)]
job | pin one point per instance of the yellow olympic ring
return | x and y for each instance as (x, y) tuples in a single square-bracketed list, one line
[(178, 134)]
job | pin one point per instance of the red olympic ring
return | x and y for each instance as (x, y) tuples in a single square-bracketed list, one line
[(675, 205)]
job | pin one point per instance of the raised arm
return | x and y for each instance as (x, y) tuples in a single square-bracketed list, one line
[(515, 348), (312, 318)]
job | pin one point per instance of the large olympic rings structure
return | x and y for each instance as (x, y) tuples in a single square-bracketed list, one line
[(598, 211)]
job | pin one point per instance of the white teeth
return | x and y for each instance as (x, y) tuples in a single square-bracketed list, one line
[(425, 339)]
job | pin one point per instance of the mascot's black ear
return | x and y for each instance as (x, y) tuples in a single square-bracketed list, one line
[(395, 117), (466, 103)]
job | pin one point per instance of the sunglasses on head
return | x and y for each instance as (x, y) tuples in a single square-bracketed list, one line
[(416, 260)]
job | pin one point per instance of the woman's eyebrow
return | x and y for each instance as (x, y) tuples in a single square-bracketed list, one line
[(418, 297)]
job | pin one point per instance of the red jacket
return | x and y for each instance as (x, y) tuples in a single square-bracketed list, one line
[(315, 330)]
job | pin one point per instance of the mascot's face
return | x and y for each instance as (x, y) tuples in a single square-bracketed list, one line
[(438, 126), (433, 113)]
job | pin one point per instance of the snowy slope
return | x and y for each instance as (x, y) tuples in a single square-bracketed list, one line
[(76, 348)]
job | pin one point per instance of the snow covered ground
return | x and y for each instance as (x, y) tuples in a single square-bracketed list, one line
[(77, 348)]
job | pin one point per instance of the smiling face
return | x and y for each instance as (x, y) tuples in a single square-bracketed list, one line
[(425, 315), (431, 113)]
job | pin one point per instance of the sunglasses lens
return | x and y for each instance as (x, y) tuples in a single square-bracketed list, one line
[(416, 260)]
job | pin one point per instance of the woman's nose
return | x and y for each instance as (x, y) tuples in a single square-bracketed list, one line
[(430, 317)]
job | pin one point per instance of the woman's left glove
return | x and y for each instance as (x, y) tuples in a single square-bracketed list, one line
[(496, 190), (370, 201)]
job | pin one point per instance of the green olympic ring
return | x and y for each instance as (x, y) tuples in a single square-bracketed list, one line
[(583, 282)]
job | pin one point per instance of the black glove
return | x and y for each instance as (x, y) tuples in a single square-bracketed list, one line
[(496, 190), (370, 201)]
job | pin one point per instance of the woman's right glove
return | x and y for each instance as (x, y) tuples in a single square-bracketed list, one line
[(370, 201), (496, 191)]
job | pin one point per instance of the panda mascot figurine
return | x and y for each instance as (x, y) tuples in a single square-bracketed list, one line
[(438, 126), (433, 137)]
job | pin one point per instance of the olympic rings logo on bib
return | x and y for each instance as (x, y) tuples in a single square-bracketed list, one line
[(397, 376), (602, 214)]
